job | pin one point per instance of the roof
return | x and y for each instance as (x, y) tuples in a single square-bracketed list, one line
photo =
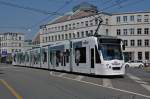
[(75, 15), (82, 10)]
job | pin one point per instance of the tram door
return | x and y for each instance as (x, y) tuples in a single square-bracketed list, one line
[(52, 59), (92, 60)]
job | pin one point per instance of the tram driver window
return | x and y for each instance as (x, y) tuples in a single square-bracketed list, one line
[(80, 55)]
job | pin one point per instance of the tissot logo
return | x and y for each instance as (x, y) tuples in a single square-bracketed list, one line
[(115, 63)]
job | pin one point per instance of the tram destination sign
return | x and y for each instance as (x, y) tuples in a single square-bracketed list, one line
[(116, 41)]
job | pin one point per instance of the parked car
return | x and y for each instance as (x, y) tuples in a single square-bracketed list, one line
[(136, 63)]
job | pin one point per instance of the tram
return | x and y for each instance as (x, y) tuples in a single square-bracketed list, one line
[(96, 55)]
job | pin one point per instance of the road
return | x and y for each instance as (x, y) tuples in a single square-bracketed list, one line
[(29, 83)]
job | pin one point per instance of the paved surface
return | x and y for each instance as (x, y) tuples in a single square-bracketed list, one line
[(30, 83)]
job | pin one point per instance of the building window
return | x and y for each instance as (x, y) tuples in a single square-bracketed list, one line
[(139, 42), (146, 18), (106, 21), (132, 18), (19, 38), (69, 35), (69, 26), (124, 18), (118, 19), (58, 37), (125, 31), (52, 38), (125, 42), (55, 37), (46, 39), (146, 30), (62, 36), (66, 36), (78, 34), (62, 27), (91, 22), (139, 18), (118, 32), (74, 25), (78, 25), (146, 42), (132, 42), (87, 34), (82, 33), (49, 38), (55, 28), (107, 32), (59, 28), (96, 21), (19, 44), (82, 24), (91, 32), (74, 35), (86, 23), (139, 31), (131, 31), (139, 55), (66, 27), (43, 39), (146, 55)]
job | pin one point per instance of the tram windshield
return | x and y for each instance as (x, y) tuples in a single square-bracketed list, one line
[(111, 51)]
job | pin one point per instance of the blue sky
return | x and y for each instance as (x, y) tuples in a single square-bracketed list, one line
[(15, 19)]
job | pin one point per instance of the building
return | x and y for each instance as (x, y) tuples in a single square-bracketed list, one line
[(27, 45), (9, 43), (133, 28)]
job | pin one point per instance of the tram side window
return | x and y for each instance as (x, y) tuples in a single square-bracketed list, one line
[(14, 58), (58, 59), (97, 56), (44, 56), (27, 57), (67, 55), (80, 55)]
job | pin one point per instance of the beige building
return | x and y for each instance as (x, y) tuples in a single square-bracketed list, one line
[(9, 43)]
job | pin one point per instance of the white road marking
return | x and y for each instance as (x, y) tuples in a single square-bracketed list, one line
[(61, 75), (79, 78), (139, 80), (7, 67), (107, 82), (116, 89)]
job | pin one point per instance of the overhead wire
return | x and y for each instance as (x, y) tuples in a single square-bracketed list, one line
[(36, 10), (60, 8), (131, 3), (28, 8), (120, 3)]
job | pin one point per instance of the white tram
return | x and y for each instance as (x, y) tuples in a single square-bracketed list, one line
[(91, 55)]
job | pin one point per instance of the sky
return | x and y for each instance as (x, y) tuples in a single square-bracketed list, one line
[(26, 16)]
